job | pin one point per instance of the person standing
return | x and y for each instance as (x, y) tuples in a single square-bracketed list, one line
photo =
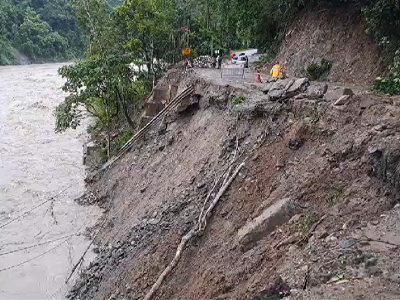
[(219, 61), (213, 62)]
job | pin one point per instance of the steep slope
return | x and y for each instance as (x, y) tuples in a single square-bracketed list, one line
[(338, 164), (334, 34)]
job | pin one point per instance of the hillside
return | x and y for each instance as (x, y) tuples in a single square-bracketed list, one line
[(316, 198), (338, 35), (43, 31)]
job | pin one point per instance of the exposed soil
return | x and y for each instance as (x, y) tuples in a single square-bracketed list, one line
[(340, 162), (334, 34)]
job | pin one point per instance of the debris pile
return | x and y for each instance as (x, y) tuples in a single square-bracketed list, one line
[(203, 61)]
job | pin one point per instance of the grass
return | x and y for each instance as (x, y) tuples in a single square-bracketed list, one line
[(308, 220), (335, 190)]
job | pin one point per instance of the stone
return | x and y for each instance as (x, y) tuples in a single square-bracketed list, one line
[(380, 127), (267, 87), (316, 90), (371, 262), (296, 143), (336, 94), (323, 235), (342, 100), (298, 86), (280, 163), (366, 103), (275, 95), (278, 89), (272, 217), (347, 244), (294, 219)]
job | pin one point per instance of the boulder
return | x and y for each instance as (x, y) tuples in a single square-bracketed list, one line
[(334, 95), (268, 86), (316, 90), (278, 89), (272, 217), (299, 85)]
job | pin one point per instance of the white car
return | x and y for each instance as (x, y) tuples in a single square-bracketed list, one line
[(241, 59)]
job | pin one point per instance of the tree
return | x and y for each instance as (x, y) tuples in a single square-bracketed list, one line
[(102, 82)]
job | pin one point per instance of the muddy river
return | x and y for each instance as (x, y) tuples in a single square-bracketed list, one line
[(40, 239)]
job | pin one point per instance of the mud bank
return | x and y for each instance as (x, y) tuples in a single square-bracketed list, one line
[(336, 162)]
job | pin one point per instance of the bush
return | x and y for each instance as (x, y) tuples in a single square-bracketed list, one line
[(318, 70), (238, 99), (388, 86), (121, 140)]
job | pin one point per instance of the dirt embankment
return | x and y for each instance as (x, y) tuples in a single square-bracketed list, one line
[(334, 34), (338, 166)]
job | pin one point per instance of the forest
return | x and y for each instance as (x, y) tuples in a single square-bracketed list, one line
[(42, 30)]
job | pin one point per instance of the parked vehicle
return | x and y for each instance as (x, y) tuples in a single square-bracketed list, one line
[(243, 59)]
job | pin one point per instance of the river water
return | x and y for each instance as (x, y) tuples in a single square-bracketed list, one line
[(39, 247)]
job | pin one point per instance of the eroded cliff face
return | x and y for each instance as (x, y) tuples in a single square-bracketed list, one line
[(334, 34), (329, 169)]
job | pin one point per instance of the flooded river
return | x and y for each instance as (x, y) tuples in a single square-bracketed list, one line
[(40, 238)]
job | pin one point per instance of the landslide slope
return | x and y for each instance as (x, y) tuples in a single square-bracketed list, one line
[(339, 165), (336, 34)]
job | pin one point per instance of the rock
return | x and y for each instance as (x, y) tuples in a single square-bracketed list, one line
[(201, 185), (298, 86), (395, 277), (280, 163), (323, 235), (342, 100), (296, 143), (336, 94), (272, 217), (366, 103), (275, 95), (347, 244), (278, 89), (154, 221), (316, 90), (276, 289), (371, 262), (330, 238), (294, 219), (267, 87), (380, 127)]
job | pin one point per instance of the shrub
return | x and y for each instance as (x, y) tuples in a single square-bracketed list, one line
[(121, 140), (317, 70), (388, 86), (238, 99)]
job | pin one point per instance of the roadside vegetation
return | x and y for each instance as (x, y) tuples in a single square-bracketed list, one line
[(150, 35)]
